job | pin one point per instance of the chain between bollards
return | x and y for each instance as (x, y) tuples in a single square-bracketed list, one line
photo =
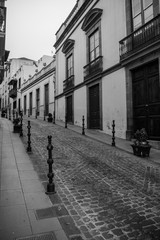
[(83, 129), (29, 149), (21, 129), (113, 133), (50, 175)]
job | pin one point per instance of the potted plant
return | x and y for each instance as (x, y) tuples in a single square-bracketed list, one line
[(141, 147), (50, 119)]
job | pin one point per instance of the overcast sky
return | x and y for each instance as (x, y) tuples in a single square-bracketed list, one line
[(31, 26)]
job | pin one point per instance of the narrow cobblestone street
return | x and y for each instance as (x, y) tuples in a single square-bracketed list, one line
[(101, 192)]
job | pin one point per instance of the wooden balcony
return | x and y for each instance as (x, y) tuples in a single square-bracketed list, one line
[(68, 84), (142, 38), (93, 68), (13, 93)]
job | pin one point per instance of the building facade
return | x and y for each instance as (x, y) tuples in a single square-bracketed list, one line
[(90, 80), (11, 85), (38, 91), (107, 66)]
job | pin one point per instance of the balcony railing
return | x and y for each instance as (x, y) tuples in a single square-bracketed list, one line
[(93, 68), (13, 93), (68, 83), (142, 37)]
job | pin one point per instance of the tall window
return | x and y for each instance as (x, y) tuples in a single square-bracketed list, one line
[(94, 45), (70, 65), (142, 11)]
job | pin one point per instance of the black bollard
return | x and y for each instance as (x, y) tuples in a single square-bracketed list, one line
[(113, 133), (54, 117), (13, 115), (50, 175), (44, 116), (9, 114), (21, 129), (29, 149), (66, 121), (83, 129), (36, 113)]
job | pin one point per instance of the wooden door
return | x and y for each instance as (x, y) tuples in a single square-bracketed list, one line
[(25, 104), (46, 104), (30, 106), (146, 99), (94, 107), (69, 106)]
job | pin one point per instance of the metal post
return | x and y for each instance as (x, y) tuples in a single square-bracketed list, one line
[(28, 113), (21, 129), (113, 133), (29, 149), (54, 121), (50, 175), (9, 114), (83, 129), (44, 116), (66, 121), (13, 115), (36, 113)]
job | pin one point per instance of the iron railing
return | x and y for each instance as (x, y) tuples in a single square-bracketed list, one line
[(93, 67), (68, 83), (13, 93), (139, 39)]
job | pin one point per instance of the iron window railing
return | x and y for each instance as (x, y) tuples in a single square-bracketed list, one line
[(93, 67), (68, 83), (142, 37)]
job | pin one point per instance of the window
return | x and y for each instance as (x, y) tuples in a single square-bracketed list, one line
[(68, 50), (69, 65), (142, 11), (94, 46), (19, 83)]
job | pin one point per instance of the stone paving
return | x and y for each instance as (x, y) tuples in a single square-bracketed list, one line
[(105, 193)]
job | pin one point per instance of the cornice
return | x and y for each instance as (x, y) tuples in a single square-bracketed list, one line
[(73, 21), (38, 79)]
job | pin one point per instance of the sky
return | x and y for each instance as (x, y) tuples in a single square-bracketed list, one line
[(31, 26)]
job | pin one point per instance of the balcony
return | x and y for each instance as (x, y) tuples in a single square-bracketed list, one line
[(13, 93), (145, 36), (68, 83), (93, 68)]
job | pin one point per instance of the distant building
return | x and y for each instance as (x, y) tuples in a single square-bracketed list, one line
[(38, 90), (11, 85), (107, 66)]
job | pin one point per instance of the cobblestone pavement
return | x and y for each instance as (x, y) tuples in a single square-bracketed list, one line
[(108, 193)]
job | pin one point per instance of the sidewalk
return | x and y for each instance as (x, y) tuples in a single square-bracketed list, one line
[(122, 144), (22, 193)]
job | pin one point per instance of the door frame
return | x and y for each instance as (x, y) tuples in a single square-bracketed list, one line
[(129, 88), (99, 82)]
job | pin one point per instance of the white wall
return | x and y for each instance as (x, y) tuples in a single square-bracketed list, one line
[(114, 103), (80, 105), (60, 109)]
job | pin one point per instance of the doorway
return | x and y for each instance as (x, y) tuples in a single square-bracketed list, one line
[(146, 99), (94, 107)]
